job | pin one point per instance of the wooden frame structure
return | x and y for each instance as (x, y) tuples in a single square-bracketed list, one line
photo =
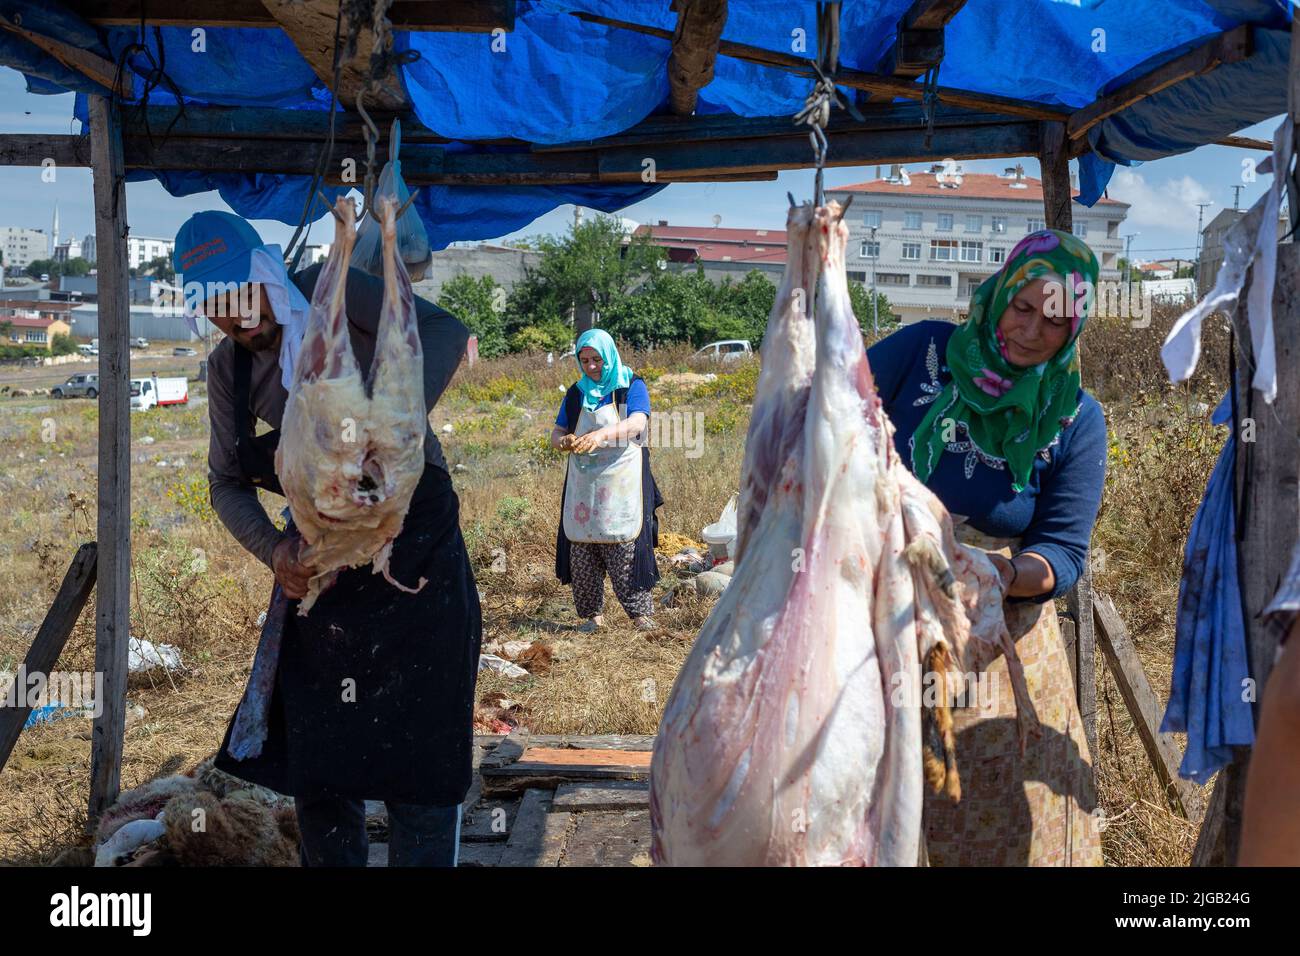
[(686, 148)]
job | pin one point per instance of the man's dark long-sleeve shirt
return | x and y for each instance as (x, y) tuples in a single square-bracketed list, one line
[(442, 338)]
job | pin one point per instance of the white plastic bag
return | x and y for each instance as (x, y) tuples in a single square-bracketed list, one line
[(412, 239)]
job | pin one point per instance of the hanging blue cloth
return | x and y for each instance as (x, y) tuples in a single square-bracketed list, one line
[(1208, 700)]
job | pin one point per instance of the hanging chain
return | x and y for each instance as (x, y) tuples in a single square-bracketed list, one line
[(816, 112), (930, 101)]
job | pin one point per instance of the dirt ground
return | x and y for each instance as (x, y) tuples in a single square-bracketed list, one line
[(193, 588)]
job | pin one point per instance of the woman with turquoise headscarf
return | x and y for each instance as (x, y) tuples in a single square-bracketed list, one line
[(608, 523), (991, 415)]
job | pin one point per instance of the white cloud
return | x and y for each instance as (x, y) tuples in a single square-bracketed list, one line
[(1168, 206)]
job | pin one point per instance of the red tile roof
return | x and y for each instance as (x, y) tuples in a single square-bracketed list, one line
[(973, 186), (26, 322), (712, 244)]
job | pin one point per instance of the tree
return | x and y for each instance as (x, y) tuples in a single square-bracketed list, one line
[(39, 267), (159, 267), (62, 344), (592, 265), (883, 317), (73, 267), (480, 304)]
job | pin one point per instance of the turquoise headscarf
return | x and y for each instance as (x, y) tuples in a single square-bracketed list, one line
[(614, 374)]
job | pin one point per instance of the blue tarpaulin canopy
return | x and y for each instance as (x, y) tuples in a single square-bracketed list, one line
[(555, 77)]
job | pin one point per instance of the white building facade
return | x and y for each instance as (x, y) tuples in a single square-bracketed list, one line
[(928, 239), (23, 246), (140, 250)]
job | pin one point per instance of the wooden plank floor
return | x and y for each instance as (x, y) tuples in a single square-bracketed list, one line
[(549, 801)]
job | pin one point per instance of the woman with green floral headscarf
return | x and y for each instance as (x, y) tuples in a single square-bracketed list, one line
[(990, 414)]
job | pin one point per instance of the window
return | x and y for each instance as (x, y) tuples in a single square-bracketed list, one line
[(972, 251), (893, 278), (911, 220), (34, 336), (869, 250), (1081, 230), (943, 250), (1034, 225), (974, 223), (945, 222), (972, 285), (999, 223), (944, 281), (997, 254), (872, 219), (912, 251), (857, 277)]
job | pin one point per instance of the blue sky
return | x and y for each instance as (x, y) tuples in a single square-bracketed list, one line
[(1163, 193)]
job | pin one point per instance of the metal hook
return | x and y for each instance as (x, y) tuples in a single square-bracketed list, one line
[(371, 134)]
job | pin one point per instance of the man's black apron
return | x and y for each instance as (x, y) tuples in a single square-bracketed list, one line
[(645, 571), (374, 694)]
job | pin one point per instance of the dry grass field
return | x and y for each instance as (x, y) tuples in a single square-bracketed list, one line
[(194, 588)]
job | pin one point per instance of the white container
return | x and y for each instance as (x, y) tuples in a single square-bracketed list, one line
[(721, 540)]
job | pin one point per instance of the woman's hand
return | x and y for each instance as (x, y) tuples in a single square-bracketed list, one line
[(566, 442), (291, 573), (585, 444), (1006, 570), (1026, 575)]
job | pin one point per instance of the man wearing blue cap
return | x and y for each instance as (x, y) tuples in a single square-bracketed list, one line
[(374, 691)]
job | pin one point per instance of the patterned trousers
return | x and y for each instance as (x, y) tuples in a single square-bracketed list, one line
[(588, 564)]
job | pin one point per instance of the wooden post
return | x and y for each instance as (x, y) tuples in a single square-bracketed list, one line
[(1054, 160), (1268, 476), (112, 596), (45, 650)]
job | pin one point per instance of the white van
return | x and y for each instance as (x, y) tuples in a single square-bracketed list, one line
[(148, 392)]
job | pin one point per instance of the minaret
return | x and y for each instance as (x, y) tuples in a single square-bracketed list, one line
[(54, 241)]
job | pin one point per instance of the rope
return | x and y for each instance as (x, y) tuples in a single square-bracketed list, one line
[(930, 101)]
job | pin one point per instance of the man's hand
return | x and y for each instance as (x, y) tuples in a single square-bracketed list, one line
[(291, 573)]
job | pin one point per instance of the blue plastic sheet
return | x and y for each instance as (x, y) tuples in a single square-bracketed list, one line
[(1209, 699), (557, 78)]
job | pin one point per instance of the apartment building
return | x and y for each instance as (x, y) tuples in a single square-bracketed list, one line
[(21, 246), (928, 239), (140, 250), (1211, 258)]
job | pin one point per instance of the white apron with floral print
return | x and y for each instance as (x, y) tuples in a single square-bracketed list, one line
[(602, 494)]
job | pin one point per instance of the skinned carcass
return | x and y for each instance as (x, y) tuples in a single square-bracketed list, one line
[(352, 449), (798, 731)]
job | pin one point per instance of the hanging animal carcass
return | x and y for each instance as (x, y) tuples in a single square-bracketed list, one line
[(352, 449), (799, 730)]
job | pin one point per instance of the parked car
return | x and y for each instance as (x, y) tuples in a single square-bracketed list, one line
[(85, 385), (140, 343), (181, 350), (88, 349), (728, 350)]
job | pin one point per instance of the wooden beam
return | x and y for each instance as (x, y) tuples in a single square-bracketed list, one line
[(695, 48), (451, 16), (112, 596), (918, 39), (95, 68), (1245, 142), (1230, 47), (1079, 601), (1054, 161), (855, 79), (1144, 707), (310, 24), (50, 639), (33, 149)]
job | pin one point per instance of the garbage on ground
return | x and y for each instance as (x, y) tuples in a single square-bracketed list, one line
[(48, 713), (143, 655), (721, 535), (510, 650), (502, 666), (711, 582)]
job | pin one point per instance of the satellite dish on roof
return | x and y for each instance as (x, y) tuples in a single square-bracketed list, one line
[(717, 220)]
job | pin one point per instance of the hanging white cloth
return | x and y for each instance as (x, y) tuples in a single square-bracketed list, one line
[(289, 307), (1252, 241)]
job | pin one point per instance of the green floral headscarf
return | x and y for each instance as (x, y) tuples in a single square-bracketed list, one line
[(1009, 412)]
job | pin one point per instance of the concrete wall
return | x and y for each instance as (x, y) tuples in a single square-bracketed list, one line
[(506, 266)]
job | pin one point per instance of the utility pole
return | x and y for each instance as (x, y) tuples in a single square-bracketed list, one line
[(1236, 196), (1200, 218), (1128, 262), (875, 305)]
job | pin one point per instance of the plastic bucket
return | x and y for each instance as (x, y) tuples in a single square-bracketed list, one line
[(720, 540)]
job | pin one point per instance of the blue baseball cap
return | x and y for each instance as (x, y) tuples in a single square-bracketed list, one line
[(215, 247)]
